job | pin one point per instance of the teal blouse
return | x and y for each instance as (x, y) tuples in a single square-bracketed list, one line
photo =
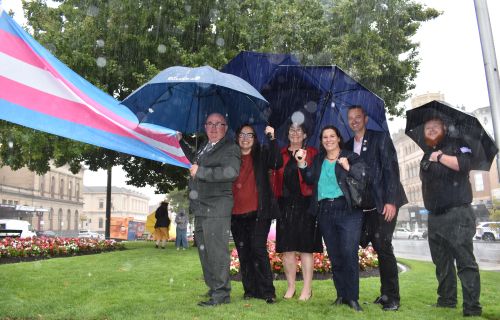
[(328, 187)]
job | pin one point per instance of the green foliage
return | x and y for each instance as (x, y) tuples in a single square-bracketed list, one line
[(119, 44)]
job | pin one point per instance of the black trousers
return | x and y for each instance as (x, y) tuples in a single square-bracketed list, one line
[(250, 237), (379, 232), (450, 241)]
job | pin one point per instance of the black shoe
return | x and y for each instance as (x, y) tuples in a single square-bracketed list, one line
[(213, 303), (156, 246), (437, 305), (248, 296), (391, 306), (270, 300), (378, 300), (338, 301), (472, 313), (353, 304)]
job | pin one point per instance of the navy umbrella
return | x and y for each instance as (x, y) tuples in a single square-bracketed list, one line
[(460, 125), (180, 98)]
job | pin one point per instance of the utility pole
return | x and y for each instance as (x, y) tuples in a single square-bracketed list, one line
[(490, 67)]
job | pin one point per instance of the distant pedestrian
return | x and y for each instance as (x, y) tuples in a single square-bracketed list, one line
[(181, 220), (161, 225)]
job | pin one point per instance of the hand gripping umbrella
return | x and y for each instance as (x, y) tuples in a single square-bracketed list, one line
[(460, 125)]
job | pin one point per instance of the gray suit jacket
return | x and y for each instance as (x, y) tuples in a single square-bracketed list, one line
[(210, 192)]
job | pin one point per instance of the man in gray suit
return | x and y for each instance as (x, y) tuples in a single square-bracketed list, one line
[(214, 169)]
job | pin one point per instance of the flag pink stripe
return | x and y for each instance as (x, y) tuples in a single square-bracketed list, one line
[(17, 48), (74, 112)]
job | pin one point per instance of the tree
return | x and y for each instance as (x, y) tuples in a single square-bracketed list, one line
[(119, 44)]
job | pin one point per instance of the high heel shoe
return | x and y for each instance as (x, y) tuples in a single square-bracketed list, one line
[(288, 298), (305, 299)]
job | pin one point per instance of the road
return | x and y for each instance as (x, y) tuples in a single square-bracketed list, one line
[(487, 253)]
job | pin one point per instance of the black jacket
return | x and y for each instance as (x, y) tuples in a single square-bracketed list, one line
[(266, 158), (358, 170), (161, 215), (380, 156)]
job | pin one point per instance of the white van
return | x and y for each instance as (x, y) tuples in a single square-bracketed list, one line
[(12, 224)]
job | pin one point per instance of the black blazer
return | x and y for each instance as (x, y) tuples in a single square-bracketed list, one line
[(358, 170), (266, 158), (378, 152)]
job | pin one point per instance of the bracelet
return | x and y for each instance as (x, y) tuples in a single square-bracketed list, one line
[(438, 158)]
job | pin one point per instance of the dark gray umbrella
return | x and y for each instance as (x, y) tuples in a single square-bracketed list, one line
[(460, 125)]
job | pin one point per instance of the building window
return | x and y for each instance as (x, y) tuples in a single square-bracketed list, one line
[(77, 191), (60, 221), (478, 182), (77, 220), (70, 187), (61, 189), (101, 223), (68, 219), (52, 187), (101, 204)]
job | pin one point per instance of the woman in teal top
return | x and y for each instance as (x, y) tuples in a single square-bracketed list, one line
[(339, 221)]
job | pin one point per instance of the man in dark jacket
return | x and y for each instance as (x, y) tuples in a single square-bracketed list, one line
[(378, 152), (447, 194), (214, 169)]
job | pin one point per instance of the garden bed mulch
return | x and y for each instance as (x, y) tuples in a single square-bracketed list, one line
[(370, 272)]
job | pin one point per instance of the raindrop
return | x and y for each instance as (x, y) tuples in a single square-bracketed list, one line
[(311, 106), (162, 48), (51, 47), (220, 42), (214, 13), (310, 57), (171, 280), (92, 11), (242, 244), (99, 43), (333, 104), (101, 62), (229, 172), (89, 274), (377, 235), (384, 6), (193, 195), (10, 144), (187, 8), (238, 185), (150, 110), (202, 247), (298, 118)]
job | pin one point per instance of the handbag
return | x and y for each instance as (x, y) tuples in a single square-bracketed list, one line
[(361, 197)]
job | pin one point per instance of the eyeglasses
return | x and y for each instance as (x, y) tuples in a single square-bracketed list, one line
[(217, 125), (248, 135), (295, 130)]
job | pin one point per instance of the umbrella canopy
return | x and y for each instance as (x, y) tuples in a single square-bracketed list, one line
[(460, 125), (150, 222), (181, 98), (322, 93)]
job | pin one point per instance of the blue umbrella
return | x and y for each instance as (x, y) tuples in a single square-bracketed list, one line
[(180, 98)]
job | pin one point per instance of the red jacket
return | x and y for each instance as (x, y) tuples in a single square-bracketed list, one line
[(277, 175)]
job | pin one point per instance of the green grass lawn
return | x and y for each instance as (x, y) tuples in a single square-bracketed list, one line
[(147, 283)]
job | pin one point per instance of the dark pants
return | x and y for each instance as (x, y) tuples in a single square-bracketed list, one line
[(212, 236), (450, 241), (341, 229), (379, 232), (250, 237)]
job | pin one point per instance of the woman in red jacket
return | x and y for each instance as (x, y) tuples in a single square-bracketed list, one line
[(296, 230)]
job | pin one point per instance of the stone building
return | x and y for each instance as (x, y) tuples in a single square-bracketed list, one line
[(52, 201), (125, 203)]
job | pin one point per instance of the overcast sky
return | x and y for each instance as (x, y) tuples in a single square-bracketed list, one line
[(451, 63)]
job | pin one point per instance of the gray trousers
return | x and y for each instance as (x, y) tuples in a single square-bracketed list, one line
[(212, 239), (450, 240)]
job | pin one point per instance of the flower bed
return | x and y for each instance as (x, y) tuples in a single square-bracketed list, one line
[(367, 260), (21, 249)]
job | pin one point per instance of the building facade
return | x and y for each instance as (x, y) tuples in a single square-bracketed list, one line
[(52, 201), (125, 203)]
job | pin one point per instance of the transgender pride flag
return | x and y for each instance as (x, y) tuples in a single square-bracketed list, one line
[(39, 91)]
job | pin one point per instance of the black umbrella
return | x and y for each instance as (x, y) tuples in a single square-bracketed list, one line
[(460, 125)]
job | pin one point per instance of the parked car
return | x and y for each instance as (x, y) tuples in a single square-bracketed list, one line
[(425, 234), (16, 228), (403, 233), (488, 231), (418, 234), (46, 233), (90, 234)]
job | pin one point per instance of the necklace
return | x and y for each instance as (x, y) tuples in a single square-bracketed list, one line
[(333, 158)]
